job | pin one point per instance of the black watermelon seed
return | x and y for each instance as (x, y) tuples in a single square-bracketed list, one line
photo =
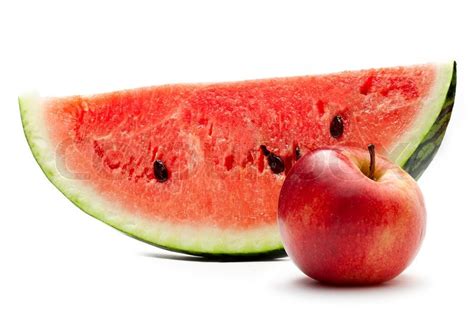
[(264, 150), (297, 153), (274, 161), (160, 171), (337, 127)]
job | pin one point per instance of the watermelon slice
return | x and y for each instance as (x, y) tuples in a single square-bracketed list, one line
[(197, 168)]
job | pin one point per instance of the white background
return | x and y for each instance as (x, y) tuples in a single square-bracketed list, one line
[(57, 260)]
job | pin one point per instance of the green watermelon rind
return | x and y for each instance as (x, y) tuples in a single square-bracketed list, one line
[(427, 120), (221, 244), (419, 160)]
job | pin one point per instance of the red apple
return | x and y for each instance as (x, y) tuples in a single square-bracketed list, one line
[(349, 217)]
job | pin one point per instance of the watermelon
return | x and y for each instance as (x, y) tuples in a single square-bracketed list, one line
[(197, 168)]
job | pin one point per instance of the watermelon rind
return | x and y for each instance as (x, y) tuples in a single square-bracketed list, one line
[(413, 152), (419, 160), (430, 118)]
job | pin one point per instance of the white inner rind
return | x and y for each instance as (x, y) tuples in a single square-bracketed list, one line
[(196, 239), (431, 107)]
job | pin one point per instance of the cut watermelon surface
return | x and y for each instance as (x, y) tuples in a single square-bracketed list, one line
[(197, 168)]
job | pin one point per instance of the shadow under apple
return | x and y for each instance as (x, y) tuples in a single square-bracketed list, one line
[(400, 283)]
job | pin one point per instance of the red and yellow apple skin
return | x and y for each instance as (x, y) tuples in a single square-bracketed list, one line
[(341, 227)]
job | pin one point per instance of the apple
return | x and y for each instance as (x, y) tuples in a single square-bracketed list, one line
[(350, 217)]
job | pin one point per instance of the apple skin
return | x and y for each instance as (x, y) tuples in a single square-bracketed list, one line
[(341, 227)]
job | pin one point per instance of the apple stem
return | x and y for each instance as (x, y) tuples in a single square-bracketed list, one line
[(371, 148)]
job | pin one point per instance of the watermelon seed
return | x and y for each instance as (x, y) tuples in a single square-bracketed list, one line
[(337, 127), (160, 171), (297, 153), (264, 150), (274, 161)]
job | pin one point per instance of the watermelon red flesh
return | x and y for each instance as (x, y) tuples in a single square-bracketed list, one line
[(221, 196)]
